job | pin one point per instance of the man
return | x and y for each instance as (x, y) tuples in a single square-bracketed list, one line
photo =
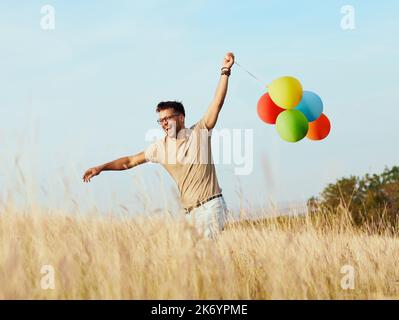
[(186, 155)]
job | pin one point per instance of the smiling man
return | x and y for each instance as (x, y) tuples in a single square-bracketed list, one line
[(186, 154)]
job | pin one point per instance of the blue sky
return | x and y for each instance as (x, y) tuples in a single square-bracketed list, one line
[(84, 93)]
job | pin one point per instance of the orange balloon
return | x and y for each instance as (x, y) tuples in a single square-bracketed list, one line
[(319, 129)]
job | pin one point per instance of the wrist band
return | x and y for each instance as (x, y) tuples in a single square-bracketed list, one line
[(226, 72)]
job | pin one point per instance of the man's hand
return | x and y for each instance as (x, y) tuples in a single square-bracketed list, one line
[(91, 173), (123, 163), (211, 115), (228, 60)]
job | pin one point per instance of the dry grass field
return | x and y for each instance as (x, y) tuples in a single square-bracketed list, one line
[(93, 256)]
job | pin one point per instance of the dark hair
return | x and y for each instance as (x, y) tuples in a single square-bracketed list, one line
[(176, 105)]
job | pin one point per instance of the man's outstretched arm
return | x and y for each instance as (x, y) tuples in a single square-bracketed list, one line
[(118, 164), (211, 116)]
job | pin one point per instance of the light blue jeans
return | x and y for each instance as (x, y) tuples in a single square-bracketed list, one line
[(208, 219)]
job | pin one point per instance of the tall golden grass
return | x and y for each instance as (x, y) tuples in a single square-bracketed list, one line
[(159, 257)]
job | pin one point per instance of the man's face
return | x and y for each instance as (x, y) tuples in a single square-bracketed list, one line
[(171, 121)]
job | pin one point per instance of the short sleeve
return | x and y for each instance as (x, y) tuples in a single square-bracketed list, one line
[(151, 153), (201, 126)]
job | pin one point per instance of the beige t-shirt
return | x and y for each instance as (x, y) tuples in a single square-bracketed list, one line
[(188, 160)]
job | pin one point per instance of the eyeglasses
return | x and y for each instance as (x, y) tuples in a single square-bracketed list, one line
[(167, 118)]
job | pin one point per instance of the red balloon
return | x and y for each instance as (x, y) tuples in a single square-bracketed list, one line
[(319, 129), (268, 111)]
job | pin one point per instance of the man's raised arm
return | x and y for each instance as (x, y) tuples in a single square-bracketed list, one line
[(211, 115), (118, 164)]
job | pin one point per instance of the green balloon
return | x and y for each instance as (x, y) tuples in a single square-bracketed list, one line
[(292, 125)]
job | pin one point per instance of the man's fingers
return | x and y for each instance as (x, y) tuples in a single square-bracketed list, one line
[(86, 177), (89, 174)]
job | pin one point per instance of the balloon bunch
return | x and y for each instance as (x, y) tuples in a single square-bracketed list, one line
[(296, 113)]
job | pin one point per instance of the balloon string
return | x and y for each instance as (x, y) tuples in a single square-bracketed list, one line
[(250, 73)]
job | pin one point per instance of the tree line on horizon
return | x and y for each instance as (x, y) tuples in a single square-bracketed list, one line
[(372, 198)]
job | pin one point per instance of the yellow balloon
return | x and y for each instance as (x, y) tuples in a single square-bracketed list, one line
[(286, 92)]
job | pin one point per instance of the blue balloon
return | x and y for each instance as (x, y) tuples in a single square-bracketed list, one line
[(311, 105)]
